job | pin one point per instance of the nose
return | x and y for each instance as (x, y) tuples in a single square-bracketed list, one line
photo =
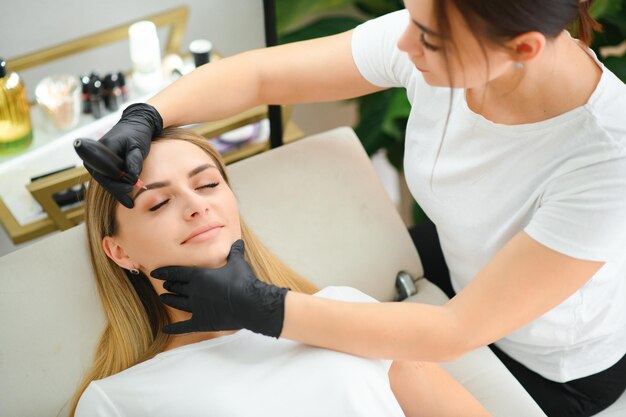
[(195, 205), (409, 42)]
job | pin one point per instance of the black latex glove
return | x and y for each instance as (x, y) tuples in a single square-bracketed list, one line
[(228, 298), (130, 139)]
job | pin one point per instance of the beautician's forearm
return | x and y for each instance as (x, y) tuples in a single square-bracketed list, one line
[(211, 92), (524, 280), (317, 70), (399, 331)]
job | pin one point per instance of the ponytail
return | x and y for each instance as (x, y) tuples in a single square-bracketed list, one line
[(586, 24)]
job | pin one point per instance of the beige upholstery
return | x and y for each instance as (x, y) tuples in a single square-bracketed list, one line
[(319, 205), (316, 203)]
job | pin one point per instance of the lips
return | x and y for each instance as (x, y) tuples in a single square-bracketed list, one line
[(201, 230)]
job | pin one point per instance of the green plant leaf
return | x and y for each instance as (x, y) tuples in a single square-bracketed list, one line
[(382, 123), (603, 8), (371, 115), (617, 65), (610, 36), (397, 114), (618, 22), (291, 12), (395, 154), (378, 7), (612, 15), (321, 27), (419, 216)]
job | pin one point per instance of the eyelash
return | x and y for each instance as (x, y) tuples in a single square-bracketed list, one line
[(161, 204), (428, 45)]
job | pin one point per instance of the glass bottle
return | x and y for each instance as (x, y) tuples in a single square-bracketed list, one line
[(16, 132)]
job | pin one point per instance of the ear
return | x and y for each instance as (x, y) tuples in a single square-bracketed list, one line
[(116, 252), (527, 46)]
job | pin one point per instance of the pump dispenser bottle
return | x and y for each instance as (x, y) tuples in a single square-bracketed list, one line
[(15, 127)]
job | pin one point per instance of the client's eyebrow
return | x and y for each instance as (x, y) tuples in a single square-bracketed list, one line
[(161, 184)]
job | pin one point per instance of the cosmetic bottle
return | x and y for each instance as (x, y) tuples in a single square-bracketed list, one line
[(95, 97), (121, 83), (106, 90), (111, 92), (145, 54), (84, 82), (16, 131)]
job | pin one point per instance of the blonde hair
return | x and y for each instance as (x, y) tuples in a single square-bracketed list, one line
[(135, 315)]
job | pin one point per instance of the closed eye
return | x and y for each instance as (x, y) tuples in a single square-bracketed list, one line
[(427, 44), (158, 206), (212, 185), (161, 204)]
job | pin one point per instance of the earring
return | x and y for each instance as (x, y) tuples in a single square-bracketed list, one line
[(134, 271), (518, 65)]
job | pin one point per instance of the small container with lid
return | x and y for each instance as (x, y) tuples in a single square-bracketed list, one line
[(16, 131)]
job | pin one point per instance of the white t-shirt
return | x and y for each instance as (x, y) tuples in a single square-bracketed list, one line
[(246, 374), (562, 181)]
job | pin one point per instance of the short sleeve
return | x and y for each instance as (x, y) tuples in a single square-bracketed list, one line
[(582, 213), (375, 50), (95, 403)]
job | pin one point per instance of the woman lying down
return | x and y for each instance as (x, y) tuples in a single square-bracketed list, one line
[(189, 217)]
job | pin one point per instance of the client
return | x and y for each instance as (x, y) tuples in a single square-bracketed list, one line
[(188, 216)]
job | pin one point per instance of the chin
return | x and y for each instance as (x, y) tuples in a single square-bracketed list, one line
[(214, 262), (213, 256)]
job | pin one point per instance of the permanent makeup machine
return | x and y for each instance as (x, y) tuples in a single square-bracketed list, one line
[(101, 159)]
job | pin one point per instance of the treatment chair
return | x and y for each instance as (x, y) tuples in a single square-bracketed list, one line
[(316, 203)]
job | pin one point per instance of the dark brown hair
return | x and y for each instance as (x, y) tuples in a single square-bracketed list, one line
[(501, 20), (497, 21)]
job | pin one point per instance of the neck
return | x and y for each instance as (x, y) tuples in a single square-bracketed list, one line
[(188, 338), (561, 78)]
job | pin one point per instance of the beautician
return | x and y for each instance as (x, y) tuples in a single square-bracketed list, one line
[(521, 165)]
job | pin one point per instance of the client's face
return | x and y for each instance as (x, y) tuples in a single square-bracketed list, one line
[(188, 215)]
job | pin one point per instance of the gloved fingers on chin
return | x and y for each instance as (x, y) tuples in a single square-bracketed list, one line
[(179, 302), (174, 273), (179, 288)]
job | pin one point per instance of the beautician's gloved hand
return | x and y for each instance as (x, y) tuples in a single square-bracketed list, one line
[(130, 139), (228, 298)]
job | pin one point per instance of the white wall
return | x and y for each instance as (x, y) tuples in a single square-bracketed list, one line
[(29, 25)]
